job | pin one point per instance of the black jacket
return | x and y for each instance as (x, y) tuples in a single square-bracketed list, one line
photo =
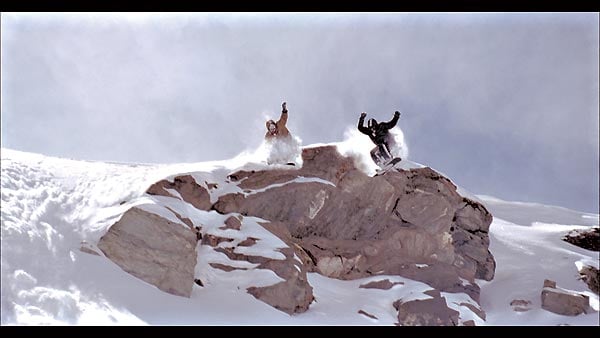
[(379, 132)]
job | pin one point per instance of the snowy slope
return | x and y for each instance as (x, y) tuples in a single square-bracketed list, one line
[(530, 251), (51, 205)]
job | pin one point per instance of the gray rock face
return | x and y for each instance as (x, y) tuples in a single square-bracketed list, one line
[(426, 312), (563, 302), (365, 225), (153, 249)]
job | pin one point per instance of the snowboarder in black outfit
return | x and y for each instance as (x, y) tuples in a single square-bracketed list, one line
[(379, 134)]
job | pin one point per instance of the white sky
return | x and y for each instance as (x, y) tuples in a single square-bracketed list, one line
[(506, 104)]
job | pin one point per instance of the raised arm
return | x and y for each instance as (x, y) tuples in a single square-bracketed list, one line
[(284, 115), (392, 123), (361, 122)]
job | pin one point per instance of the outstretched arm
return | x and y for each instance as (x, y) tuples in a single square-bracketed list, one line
[(284, 115), (392, 123), (361, 122)]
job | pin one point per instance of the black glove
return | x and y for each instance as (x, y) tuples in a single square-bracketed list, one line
[(396, 113), (283, 106)]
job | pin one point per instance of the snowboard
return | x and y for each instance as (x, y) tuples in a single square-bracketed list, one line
[(388, 166), (272, 163)]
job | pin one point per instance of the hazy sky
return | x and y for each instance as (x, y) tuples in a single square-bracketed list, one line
[(504, 104)]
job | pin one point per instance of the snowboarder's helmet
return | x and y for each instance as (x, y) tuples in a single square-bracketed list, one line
[(372, 123)]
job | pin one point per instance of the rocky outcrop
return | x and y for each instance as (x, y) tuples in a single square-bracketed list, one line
[(589, 275), (188, 189), (335, 220), (411, 223), (588, 239), (153, 249), (476, 310), (294, 293), (426, 312), (564, 302)]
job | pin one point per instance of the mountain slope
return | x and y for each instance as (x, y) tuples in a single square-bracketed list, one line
[(51, 205)]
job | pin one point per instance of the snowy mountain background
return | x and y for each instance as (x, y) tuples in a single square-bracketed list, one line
[(53, 207)]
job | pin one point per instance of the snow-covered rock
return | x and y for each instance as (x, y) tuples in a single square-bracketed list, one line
[(153, 249), (291, 295), (590, 276), (588, 239), (563, 301), (521, 305), (186, 187), (54, 212), (433, 311), (383, 284), (343, 223), (294, 294), (352, 225)]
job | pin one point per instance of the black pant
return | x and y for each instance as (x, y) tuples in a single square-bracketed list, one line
[(384, 153)]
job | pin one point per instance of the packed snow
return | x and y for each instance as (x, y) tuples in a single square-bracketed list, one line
[(51, 207)]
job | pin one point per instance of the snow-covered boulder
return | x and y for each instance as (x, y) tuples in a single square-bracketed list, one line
[(154, 249), (564, 302), (433, 311)]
